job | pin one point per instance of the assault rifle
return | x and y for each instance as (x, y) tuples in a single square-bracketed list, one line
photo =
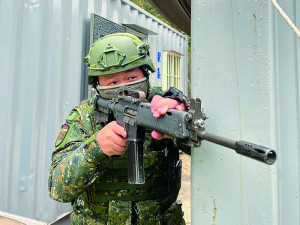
[(132, 111)]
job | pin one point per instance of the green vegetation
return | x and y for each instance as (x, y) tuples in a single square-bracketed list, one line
[(144, 4), (157, 90)]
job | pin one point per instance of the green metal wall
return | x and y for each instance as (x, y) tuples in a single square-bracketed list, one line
[(245, 68)]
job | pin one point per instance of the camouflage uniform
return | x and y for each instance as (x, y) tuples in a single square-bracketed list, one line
[(96, 184)]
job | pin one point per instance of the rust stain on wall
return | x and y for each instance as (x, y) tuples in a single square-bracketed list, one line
[(215, 212), (254, 25)]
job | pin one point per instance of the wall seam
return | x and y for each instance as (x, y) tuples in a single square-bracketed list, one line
[(297, 91)]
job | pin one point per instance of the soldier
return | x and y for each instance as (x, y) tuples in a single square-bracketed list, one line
[(89, 163)]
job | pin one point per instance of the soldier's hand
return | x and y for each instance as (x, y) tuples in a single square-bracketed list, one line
[(111, 139), (159, 107)]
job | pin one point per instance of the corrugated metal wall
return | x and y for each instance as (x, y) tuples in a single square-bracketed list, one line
[(42, 45), (245, 67)]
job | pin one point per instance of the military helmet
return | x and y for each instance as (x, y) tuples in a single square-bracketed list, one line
[(116, 53)]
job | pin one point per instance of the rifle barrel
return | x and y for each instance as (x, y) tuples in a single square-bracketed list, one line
[(254, 151)]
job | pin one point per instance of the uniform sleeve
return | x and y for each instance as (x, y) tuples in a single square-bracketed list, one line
[(74, 160)]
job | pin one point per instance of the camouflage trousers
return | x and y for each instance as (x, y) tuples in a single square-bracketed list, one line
[(120, 213)]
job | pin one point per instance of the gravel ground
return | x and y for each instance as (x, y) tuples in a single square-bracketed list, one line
[(185, 192)]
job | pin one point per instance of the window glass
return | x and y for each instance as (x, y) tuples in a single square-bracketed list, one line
[(171, 72)]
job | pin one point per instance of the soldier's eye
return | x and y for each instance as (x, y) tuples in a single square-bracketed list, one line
[(113, 83), (132, 77)]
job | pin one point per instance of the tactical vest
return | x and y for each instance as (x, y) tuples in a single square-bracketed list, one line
[(162, 180)]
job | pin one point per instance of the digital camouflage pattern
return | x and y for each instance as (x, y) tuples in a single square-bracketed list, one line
[(97, 184)]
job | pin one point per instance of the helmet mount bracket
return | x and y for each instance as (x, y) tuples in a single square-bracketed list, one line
[(111, 57)]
